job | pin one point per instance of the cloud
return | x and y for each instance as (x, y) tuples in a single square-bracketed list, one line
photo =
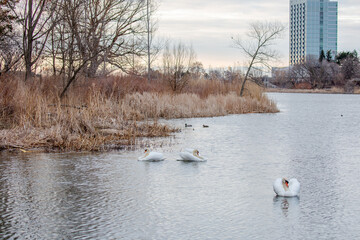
[(208, 25)]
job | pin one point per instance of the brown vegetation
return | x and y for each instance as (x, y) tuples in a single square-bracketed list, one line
[(332, 90), (111, 112)]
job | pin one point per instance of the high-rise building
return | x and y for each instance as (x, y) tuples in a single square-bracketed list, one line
[(313, 28)]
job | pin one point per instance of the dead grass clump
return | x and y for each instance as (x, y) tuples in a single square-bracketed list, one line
[(186, 105), (205, 88)]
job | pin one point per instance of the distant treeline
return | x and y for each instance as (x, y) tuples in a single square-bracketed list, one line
[(342, 71)]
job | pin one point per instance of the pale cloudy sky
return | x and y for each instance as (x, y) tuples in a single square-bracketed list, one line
[(209, 24)]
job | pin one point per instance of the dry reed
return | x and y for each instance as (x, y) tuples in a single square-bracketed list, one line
[(111, 113)]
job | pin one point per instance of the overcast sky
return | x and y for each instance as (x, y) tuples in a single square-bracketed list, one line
[(209, 24)]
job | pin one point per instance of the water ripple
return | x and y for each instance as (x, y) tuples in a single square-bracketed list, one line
[(113, 196)]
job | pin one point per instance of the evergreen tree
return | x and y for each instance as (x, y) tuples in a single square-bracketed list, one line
[(322, 56), (344, 55), (328, 56)]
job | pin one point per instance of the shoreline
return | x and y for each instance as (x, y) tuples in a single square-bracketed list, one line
[(122, 144), (111, 113), (44, 140), (316, 91), (106, 125)]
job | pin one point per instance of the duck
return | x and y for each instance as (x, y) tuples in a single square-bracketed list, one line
[(205, 126), (188, 125), (151, 156), (286, 188), (191, 155)]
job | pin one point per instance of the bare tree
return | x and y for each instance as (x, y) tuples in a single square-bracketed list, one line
[(215, 74), (73, 52), (350, 67), (6, 18), (197, 70), (177, 62), (148, 36), (257, 48), (280, 77), (141, 63), (107, 33), (10, 54), (97, 34), (34, 17), (153, 47), (317, 74), (10, 50)]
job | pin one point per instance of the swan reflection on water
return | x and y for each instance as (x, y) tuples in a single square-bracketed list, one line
[(287, 205)]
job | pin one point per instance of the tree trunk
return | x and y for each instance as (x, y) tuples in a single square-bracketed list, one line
[(148, 38), (243, 84), (92, 69), (247, 74), (28, 49)]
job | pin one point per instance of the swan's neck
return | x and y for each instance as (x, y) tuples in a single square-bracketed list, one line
[(286, 188), (196, 154)]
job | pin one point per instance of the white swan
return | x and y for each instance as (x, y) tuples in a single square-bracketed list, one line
[(151, 156), (286, 188), (191, 155)]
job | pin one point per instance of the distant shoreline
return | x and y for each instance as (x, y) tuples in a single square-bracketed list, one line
[(333, 90)]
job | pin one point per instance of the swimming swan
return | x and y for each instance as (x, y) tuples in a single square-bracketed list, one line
[(191, 155), (151, 156), (285, 188)]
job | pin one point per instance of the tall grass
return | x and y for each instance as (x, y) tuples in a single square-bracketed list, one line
[(108, 113)]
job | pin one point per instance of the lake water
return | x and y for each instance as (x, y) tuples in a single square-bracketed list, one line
[(315, 138)]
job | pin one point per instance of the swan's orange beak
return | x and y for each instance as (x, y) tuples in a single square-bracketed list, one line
[(287, 184)]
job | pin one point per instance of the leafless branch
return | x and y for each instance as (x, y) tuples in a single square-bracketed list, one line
[(257, 47)]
